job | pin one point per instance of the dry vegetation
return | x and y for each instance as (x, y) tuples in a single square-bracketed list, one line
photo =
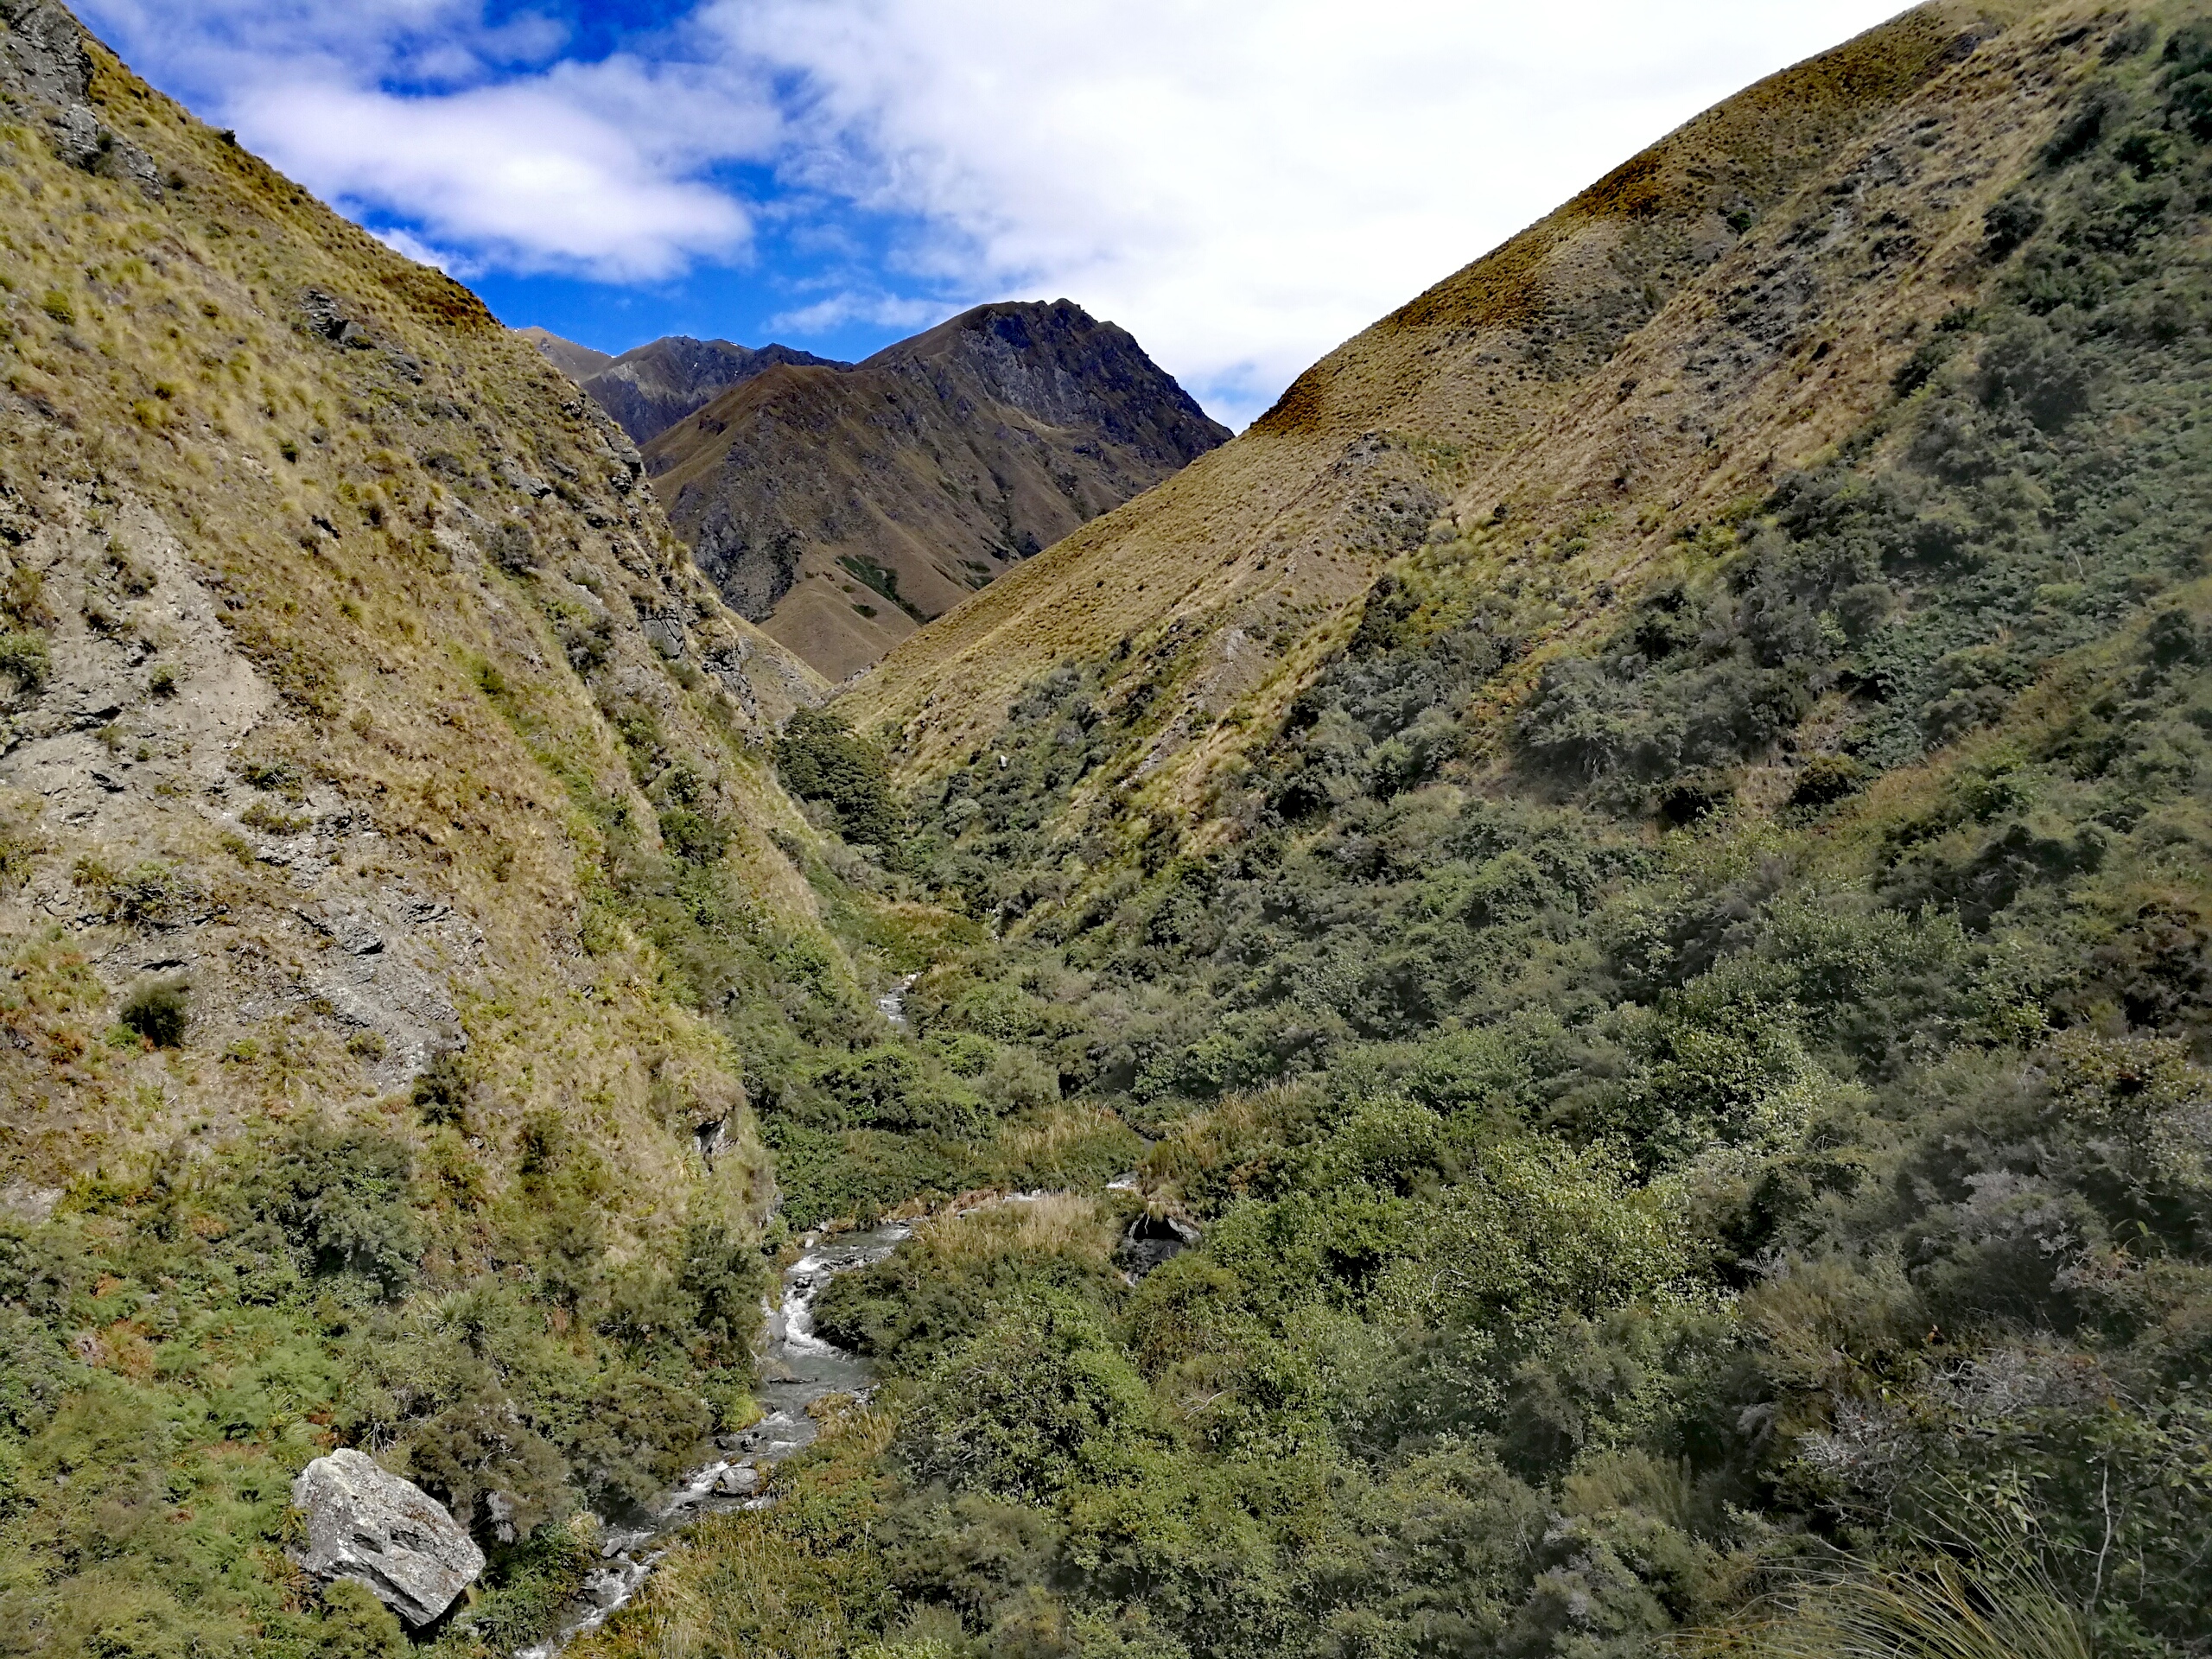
[(1631, 366)]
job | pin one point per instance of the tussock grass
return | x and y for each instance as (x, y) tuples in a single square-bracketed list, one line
[(1059, 1224), (1941, 1609)]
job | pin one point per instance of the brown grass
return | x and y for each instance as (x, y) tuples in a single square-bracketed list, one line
[(1504, 386)]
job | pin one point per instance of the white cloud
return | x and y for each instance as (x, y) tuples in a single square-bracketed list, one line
[(1242, 186), (837, 311), (526, 175), (1241, 183), (423, 253), (414, 110)]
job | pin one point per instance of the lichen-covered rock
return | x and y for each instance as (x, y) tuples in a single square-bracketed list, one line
[(367, 1524)]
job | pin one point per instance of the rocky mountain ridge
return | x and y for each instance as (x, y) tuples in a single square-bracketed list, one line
[(651, 387), (841, 508)]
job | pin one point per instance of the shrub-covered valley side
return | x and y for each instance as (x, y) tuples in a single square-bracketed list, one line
[(1700, 1136), (1714, 1147)]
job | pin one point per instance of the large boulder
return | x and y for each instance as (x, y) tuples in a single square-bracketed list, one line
[(367, 1524)]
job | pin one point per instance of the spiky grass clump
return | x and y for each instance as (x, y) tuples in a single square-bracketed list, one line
[(1940, 1608)]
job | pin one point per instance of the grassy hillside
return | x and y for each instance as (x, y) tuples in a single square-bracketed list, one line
[(1709, 266), (1678, 995), (396, 905)]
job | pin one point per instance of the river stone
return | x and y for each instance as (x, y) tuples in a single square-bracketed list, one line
[(1153, 1240), (367, 1524), (739, 1480)]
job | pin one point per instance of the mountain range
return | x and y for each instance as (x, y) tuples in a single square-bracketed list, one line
[(841, 505), (1558, 1004), (650, 388)]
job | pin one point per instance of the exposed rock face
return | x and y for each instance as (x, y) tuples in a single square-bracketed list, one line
[(843, 508), (651, 387), (367, 1524), (45, 70)]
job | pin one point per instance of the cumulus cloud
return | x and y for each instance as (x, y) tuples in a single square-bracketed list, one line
[(837, 310), (1243, 183), (423, 253), (471, 138), (528, 176)]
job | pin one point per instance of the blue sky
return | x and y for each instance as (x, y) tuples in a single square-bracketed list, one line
[(1241, 183)]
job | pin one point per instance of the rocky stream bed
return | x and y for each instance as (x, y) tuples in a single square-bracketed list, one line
[(796, 1368)]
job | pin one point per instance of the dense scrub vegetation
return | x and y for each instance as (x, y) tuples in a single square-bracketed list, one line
[(374, 1048), (1742, 1115)]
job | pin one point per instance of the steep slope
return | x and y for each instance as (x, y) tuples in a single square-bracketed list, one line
[(1625, 367), (578, 362), (388, 878), (652, 387), (1675, 1031), (842, 508)]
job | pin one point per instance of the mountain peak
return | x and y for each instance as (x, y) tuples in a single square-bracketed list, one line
[(651, 387), (577, 362), (841, 507)]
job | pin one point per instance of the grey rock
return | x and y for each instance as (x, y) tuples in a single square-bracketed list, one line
[(515, 479), (367, 1524), (1153, 1240), (327, 319), (665, 633), (739, 1480), (45, 60), (77, 134)]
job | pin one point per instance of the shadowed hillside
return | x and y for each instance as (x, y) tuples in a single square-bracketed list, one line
[(841, 508)]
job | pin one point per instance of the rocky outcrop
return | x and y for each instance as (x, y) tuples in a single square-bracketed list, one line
[(46, 73), (841, 508), (367, 1524), (651, 387)]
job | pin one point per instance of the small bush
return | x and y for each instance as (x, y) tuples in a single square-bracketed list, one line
[(24, 657), (161, 1013), (266, 819), (279, 776), (442, 1089), (2032, 365), (147, 894), (512, 547), (1827, 778), (2009, 223), (819, 758)]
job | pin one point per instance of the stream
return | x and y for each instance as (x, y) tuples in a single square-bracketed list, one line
[(796, 1368)]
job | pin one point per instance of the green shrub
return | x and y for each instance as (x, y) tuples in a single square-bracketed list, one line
[(24, 657), (339, 1200), (161, 1012), (442, 1090), (819, 758)]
